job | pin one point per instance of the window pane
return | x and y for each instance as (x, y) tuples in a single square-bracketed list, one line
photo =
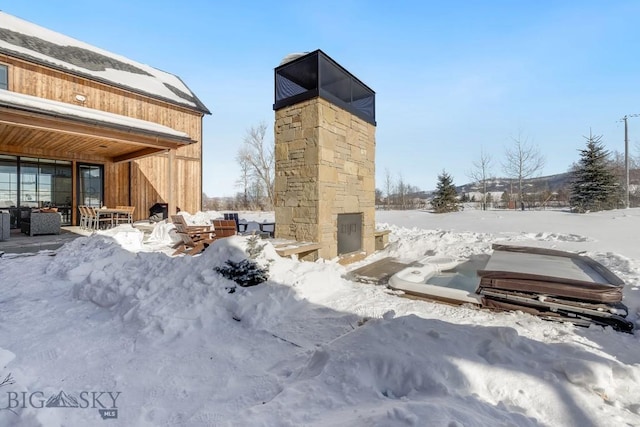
[(335, 81), (44, 184), (61, 191), (4, 77), (297, 78), (28, 185), (8, 184), (90, 185)]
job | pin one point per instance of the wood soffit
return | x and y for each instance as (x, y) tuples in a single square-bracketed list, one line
[(20, 129)]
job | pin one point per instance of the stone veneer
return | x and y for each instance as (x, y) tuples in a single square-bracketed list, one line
[(325, 166)]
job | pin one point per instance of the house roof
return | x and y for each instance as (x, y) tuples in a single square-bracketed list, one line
[(22, 39), (63, 109)]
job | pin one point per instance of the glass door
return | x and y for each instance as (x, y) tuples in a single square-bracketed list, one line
[(90, 185), (9, 187), (55, 187)]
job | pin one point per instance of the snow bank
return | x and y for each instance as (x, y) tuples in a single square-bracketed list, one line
[(186, 346), (413, 371)]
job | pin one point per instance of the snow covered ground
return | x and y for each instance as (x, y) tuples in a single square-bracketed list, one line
[(113, 331)]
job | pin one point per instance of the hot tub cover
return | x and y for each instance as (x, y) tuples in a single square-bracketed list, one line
[(553, 284), (550, 272)]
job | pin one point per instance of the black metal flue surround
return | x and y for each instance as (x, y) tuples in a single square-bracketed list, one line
[(316, 74)]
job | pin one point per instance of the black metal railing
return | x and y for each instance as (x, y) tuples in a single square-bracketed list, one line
[(316, 74)]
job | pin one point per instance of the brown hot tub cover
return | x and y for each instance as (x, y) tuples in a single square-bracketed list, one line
[(553, 284), (550, 272)]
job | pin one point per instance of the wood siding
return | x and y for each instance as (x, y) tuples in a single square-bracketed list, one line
[(141, 182)]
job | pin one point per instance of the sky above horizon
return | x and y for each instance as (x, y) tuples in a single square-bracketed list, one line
[(450, 77)]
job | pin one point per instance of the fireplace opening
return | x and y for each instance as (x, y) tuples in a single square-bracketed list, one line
[(349, 233)]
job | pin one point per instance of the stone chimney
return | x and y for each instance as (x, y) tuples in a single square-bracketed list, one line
[(325, 156)]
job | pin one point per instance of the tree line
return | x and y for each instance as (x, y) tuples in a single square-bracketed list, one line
[(597, 180)]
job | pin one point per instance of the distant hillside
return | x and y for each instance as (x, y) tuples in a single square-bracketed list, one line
[(552, 183)]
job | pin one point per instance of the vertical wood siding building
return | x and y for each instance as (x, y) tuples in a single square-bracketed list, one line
[(83, 126)]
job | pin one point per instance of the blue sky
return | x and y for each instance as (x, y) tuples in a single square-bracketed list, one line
[(450, 77)]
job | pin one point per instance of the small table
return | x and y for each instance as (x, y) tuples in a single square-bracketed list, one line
[(268, 227)]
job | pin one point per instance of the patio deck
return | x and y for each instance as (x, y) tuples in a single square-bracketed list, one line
[(21, 243)]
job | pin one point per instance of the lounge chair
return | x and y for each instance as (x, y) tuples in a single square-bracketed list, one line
[(195, 238)]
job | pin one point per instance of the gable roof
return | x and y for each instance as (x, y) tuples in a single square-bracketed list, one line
[(22, 39)]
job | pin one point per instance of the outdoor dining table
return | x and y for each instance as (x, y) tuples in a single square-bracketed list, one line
[(102, 214)]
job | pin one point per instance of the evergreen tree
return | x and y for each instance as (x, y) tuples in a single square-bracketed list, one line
[(446, 197), (594, 186)]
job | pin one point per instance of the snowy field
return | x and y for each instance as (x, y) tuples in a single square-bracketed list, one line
[(113, 331)]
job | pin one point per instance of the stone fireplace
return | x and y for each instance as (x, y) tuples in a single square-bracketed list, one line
[(325, 156), (349, 233)]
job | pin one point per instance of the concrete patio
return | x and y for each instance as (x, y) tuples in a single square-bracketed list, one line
[(21, 243)]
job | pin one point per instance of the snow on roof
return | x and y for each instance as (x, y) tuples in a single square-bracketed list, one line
[(292, 57), (26, 40), (33, 103)]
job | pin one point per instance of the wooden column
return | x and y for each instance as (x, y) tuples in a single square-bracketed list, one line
[(170, 181), (74, 193)]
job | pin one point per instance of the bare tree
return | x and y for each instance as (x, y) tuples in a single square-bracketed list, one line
[(256, 195), (260, 159), (244, 180), (401, 192), (388, 186), (480, 173), (379, 197), (522, 161)]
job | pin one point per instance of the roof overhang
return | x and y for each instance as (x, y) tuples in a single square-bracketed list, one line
[(32, 124)]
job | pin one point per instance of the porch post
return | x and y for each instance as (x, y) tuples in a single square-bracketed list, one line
[(171, 182), (74, 193)]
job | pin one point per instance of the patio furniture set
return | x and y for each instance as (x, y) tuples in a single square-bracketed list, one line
[(196, 238), (92, 218)]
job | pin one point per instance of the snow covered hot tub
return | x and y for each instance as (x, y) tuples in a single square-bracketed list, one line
[(442, 278)]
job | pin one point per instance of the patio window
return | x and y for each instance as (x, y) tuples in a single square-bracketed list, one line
[(8, 182), (27, 183), (4, 77)]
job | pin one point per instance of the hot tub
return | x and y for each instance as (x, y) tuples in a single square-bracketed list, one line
[(442, 278)]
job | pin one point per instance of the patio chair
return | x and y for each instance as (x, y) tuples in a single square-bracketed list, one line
[(191, 229), (83, 217), (241, 227), (87, 217), (98, 220), (193, 242), (126, 217), (224, 228)]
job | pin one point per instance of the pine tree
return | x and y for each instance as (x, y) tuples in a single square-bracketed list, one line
[(594, 185), (446, 197)]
